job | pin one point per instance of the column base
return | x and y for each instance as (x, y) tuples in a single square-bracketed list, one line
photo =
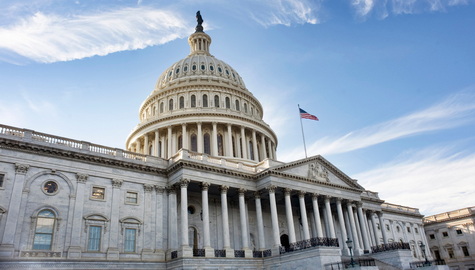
[(159, 255), (229, 252), (149, 255), (248, 253), (185, 252), (74, 252), (112, 254), (7, 251), (275, 251), (209, 252)]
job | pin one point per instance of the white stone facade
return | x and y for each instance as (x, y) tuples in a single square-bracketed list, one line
[(199, 187)]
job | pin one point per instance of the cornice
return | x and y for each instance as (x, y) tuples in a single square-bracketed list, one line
[(186, 164), (429, 222), (77, 156), (395, 211)]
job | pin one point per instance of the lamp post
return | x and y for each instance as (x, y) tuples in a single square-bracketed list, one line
[(349, 243), (423, 247)]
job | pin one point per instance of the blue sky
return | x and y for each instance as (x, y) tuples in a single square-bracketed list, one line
[(392, 81)]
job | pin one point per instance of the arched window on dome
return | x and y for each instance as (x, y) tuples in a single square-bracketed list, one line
[(234, 146), (216, 101), (237, 105), (180, 142), (205, 100), (154, 110), (170, 104), (207, 144), (193, 101), (251, 150), (194, 143), (252, 110), (150, 150), (161, 107), (228, 103), (220, 145), (159, 149), (245, 107), (182, 102), (44, 230)]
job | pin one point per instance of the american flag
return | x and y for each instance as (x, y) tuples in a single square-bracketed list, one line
[(306, 115)]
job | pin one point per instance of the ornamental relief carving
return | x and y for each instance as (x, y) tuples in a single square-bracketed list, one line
[(318, 172), (21, 168)]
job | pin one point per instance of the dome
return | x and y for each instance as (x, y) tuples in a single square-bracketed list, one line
[(201, 104)]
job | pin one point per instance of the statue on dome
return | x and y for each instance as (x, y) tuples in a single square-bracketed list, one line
[(199, 19)]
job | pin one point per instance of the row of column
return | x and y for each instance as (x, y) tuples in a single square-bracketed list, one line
[(165, 144), (352, 224)]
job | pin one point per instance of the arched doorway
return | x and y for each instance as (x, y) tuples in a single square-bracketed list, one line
[(284, 241)]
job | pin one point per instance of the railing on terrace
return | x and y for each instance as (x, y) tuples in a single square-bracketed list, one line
[(261, 253), (220, 253), (312, 242), (239, 253), (198, 252), (390, 246), (27, 134), (174, 254), (347, 264), (415, 265), (400, 208)]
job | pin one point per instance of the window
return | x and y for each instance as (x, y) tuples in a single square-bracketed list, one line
[(228, 103), (191, 210), (2, 179), (182, 102), (216, 101), (377, 226), (194, 143), (180, 142), (161, 107), (445, 234), (408, 229), (207, 144), (245, 107), (98, 193), (131, 197), (170, 104), (387, 227), (129, 241), (94, 238), (185, 68), (432, 236), (459, 232), (465, 251), (203, 67), (416, 230), (50, 188), (398, 229), (237, 105), (205, 100), (44, 230), (193, 67), (193, 101), (220, 145), (450, 251), (251, 150)]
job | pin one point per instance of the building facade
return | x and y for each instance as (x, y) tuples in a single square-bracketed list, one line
[(451, 237), (199, 186)]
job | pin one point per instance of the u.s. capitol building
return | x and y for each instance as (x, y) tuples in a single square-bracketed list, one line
[(198, 186)]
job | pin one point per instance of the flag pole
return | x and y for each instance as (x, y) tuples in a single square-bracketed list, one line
[(303, 136)]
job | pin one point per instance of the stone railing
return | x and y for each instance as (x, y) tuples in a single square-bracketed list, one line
[(415, 265), (390, 246), (198, 252), (400, 208), (220, 253), (312, 242), (239, 253), (70, 144), (358, 263), (41, 254), (460, 213), (174, 254)]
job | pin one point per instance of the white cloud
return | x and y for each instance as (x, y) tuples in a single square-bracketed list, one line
[(286, 12), (363, 7), (50, 38), (433, 180)]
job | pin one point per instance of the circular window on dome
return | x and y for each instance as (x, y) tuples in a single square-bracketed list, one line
[(227, 72), (185, 69), (211, 68), (220, 69), (170, 74), (203, 67), (234, 76), (191, 210), (193, 67), (50, 187), (177, 71)]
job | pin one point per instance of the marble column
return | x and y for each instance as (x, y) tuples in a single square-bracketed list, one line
[(224, 214), (205, 213), (148, 243), (263, 147), (316, 213), (74, 251), (260, 221), (184, 137), (172, 220), (274, 217), (229, 144), (244, 227), (341, 220), (375, 228), (303, 214), (138, 146), (113, 250), (156, 147), (169, 140), (269, 146), (159, 223), (214, 140), (254, 146), (329, 220), (363, 226), (200, 138), (244, 143), (383, 227), (145, 145), (289, 215), (186, 250), (356, 245)]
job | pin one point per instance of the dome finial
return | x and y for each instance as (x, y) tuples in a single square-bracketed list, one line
[(199, 19)]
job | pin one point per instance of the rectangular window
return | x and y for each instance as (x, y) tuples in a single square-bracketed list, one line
[(408, 229), (98, 193), (94, 238), (465, 251), (387, 227), (450, 251), (416, 230), (131, 197), (129, 242), (2, 179), (432, 236), (459, 232), (445, 234)]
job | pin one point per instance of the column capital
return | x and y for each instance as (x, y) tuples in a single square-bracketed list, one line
[(171, 189), (271, 188), (183, 124), (379, 213), (315, 196), (148, 187), (242, 191), (359, 204), (184, 183), (199, 123), (287, 191), (339, 199), (224, 189), (302, 193), (159, 189), (205, 185), (81, 178), (117, 183), (327, 197), (214, 123), (257, 194), (21, 168)]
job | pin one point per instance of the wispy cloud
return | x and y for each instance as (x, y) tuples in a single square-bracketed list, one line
[(286, 12), (434, 180), (50, 38)]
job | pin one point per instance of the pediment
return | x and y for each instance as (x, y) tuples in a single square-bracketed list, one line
[(317, 169)]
